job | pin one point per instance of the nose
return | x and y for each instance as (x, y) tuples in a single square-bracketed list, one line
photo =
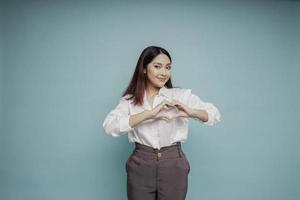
[(164, 72)]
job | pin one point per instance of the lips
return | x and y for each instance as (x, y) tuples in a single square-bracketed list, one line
[(162, 79)]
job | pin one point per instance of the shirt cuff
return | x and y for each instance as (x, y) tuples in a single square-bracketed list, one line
[(124, 124), (213, 117)]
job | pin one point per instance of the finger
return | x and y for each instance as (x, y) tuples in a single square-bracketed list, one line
[(180, 116), (167, 106), (178, 108), (179, 104)]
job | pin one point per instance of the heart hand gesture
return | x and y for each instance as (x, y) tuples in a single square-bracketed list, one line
[(183, 110), (157, 113), (170, 110)]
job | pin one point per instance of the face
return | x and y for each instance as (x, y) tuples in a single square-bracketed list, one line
[(159, 70)]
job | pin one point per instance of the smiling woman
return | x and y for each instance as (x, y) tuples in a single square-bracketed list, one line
[(158, 72), (155, 115)]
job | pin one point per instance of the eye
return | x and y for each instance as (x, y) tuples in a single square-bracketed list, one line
[(156, 66), (169, 67)]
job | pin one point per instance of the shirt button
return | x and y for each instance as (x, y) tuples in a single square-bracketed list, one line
[(159, 154)]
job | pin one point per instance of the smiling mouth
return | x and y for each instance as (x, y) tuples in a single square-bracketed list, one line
[(162, 79)]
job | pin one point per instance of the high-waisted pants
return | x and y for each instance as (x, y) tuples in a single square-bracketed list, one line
[(157, 174)]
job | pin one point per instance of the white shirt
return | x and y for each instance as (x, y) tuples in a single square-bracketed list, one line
[(157, 133)]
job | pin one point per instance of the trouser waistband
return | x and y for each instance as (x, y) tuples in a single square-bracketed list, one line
[(177, 145), (147, 152)]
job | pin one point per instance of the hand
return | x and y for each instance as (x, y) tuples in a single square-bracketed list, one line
[(170, 110), (157, 113), (183, 110)]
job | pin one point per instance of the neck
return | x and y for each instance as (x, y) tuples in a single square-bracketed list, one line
[(151, 90)]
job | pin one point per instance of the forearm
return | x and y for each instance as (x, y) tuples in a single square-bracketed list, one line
[(200, 114), (139, 117)]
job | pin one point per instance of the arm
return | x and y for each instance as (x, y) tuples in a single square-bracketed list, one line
[(116, 123), (206, 112), (149, 114), (119, 121), (136, 119), (200, 114)]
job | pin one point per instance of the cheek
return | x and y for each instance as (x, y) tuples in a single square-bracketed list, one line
[(151, 70), (154, 73), (151, 76)]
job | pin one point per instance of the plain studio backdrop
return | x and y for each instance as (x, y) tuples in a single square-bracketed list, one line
[(65, 64)]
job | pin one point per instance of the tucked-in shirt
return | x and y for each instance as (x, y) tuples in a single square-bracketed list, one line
[(157, 133)]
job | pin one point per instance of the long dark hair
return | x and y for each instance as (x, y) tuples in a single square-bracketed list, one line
[(138, 82)]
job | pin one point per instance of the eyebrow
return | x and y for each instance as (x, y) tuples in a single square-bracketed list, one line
[(160, 63)]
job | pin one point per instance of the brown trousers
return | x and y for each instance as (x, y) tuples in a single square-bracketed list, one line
[(157, 174)]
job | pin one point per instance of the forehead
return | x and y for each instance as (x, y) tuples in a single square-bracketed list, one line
[(161, 59)]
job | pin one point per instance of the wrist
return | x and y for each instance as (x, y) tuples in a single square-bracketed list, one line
[(194, 113), (148, 114), (200, 114)]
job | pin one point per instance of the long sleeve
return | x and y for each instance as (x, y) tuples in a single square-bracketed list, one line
[(193, 101), (116, 123)]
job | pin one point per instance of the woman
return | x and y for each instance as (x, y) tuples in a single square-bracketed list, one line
[(155, 116)]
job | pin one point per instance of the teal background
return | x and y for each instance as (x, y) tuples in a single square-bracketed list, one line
[(64, 65)]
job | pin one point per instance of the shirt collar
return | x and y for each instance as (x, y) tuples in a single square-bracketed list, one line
[(163, 91)]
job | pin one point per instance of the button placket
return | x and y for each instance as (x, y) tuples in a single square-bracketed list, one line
[(159, 154), (154, 104)]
